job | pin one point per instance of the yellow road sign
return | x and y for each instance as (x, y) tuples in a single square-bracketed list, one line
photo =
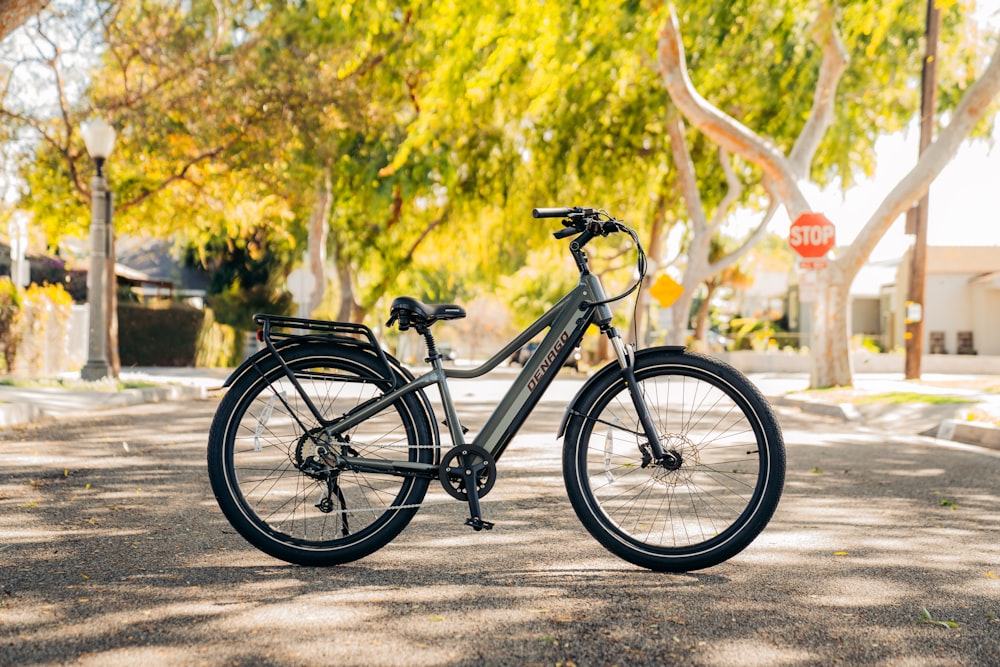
[(666, 290)]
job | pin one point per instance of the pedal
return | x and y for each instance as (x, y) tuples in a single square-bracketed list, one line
[(478, 524)]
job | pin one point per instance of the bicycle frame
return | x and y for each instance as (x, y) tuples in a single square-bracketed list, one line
[(567, 322)]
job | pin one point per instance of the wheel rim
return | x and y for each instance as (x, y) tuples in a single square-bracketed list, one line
[(694, 501)]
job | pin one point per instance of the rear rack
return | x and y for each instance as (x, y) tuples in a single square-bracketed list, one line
[(280, 328)]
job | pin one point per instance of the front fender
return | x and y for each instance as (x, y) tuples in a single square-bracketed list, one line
[(611, 369)]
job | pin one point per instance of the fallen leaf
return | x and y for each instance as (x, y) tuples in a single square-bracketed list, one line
[(839, 553)]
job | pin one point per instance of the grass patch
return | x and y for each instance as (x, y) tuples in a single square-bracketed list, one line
[(905, 397)]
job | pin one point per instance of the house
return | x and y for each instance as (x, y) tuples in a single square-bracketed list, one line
[(151, 268), (961, 310)]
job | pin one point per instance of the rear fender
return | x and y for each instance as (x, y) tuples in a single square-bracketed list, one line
[(249, 364)]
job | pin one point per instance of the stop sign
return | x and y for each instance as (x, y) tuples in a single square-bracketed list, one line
[(811, 235)]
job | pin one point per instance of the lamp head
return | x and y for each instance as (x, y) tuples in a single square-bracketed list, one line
[(100, 140)]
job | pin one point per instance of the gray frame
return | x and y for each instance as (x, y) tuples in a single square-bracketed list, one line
[(567, 322)]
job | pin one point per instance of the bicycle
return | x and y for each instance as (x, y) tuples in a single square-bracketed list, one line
[(324, 446)]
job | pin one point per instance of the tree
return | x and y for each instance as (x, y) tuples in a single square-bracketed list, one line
[(782, 171)]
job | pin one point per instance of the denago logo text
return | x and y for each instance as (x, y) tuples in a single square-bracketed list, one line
[(547, 362)]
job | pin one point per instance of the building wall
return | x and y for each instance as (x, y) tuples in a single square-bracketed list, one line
[(985, 307), (957, 298), (866, 316), (947, 308)]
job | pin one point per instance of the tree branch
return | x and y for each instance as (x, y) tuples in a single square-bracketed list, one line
[(734, 189), (821, 115), (748, 243), (970, 110), (686, 177), (721, 128), (181, 175)]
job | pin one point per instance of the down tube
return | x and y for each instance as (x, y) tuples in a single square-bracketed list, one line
[(538, 373)]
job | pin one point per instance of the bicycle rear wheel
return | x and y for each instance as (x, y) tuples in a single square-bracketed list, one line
[(270, 476), (715, 494)]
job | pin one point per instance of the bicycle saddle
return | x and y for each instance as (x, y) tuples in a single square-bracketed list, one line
[(413, 313)]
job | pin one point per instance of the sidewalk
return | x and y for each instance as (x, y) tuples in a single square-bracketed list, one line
[(973, 420), (35, 401)]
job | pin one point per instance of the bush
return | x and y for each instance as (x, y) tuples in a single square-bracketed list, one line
[(218, 345), (43, 330), (157, 336), (10, 313)]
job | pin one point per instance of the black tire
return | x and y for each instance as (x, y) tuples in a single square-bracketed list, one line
[(257, 447), (710, 507)]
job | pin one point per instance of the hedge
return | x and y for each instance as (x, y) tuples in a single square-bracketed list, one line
[(178, 335)]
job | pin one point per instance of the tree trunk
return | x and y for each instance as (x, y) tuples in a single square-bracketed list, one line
[(680, 314), (347, 303), (319, 226), (830, 344), (701, 320), (654, 252)]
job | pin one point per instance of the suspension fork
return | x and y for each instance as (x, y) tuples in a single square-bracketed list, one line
[(626, 360)]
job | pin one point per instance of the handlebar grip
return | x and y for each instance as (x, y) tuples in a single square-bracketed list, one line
[(551, 212), (563, 233)]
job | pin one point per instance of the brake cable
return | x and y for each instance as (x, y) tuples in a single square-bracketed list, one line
[(641, 265)]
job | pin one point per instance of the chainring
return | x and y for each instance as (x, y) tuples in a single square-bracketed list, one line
[(463, 462)]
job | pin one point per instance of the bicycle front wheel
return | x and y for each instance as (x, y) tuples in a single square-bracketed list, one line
[(271, 466), (709, 498)]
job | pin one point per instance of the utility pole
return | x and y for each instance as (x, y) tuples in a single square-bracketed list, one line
[(916, 217)]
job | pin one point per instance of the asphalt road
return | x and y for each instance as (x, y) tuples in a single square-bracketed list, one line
[(884, 551)]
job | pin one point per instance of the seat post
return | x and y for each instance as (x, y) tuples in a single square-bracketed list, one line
[(432, 351)]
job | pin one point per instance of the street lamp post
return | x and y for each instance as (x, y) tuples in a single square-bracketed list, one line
[(100, 139)]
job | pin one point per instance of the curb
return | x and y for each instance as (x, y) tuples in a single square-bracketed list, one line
[(19, 414), (15, 414), (970, 433), (965, 432), (843, 411)]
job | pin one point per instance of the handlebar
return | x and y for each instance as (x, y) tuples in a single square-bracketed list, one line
[(554, 212), (586, 224)]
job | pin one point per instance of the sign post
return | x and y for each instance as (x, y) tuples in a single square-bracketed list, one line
[(301, 284)]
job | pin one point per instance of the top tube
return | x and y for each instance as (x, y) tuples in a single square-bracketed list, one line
[(507, 350)]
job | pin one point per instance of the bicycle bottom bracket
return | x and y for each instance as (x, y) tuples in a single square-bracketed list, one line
[(464, 464)]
